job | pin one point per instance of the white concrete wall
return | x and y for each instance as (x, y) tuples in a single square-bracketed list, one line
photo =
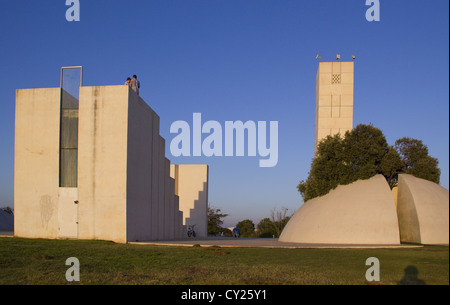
[(167, 192), (139, 169), (155, 177), (102, 163), (161, 189), (145, 171), (359, 213), (42, 208), (191, 185), (125, 192), (173, 209), (423, 211), (36, 162)]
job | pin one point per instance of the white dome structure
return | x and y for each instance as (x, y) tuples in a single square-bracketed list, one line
[(423, 211), (363, 212)]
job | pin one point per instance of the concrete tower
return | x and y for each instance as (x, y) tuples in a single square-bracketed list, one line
[(334, 99), (94, 167)]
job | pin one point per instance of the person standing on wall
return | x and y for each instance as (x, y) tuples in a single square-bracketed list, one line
[(135, 84)]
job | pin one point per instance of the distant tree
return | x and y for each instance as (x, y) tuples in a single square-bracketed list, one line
[(8, 210), (279, 220), (416, 161), (265, 228), (246, 228), (215, 221)]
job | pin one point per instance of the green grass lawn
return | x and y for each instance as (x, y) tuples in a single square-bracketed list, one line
[(39, 261)]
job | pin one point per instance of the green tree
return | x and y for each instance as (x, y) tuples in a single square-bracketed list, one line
[(416, 161), (426, 168), (391, 165), (362, 153), (279, 220), (265, 228), (411, 151), (363, 150), (215, 221), (326, 169), (246, 228)]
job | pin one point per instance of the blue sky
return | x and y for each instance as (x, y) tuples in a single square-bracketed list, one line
[(239, 60)]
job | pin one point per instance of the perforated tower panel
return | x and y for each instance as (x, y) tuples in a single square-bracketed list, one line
[(334, 99)]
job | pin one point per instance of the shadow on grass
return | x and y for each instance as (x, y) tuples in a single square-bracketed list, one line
[(411, 277)]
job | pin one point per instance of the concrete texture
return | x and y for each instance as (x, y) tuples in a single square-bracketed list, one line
[(139, 169), (102, 163), (191, 186), (423, 211), (334, 99), (395, 194), (123, 190), (359, 213), (36, 162)]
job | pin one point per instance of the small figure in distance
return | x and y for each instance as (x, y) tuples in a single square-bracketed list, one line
[(236, 232), (135, 84), (128, 82)]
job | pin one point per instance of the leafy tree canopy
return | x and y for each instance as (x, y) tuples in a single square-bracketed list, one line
[(416, 161), (265, 228), (215, 221), (362, 153), (246, 228)]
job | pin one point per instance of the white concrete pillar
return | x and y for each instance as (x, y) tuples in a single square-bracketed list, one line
[(161, 167), (155, 176), (167, 190)]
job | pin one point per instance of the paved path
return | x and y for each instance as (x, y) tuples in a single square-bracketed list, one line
[(249, 242), (258, 242)]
